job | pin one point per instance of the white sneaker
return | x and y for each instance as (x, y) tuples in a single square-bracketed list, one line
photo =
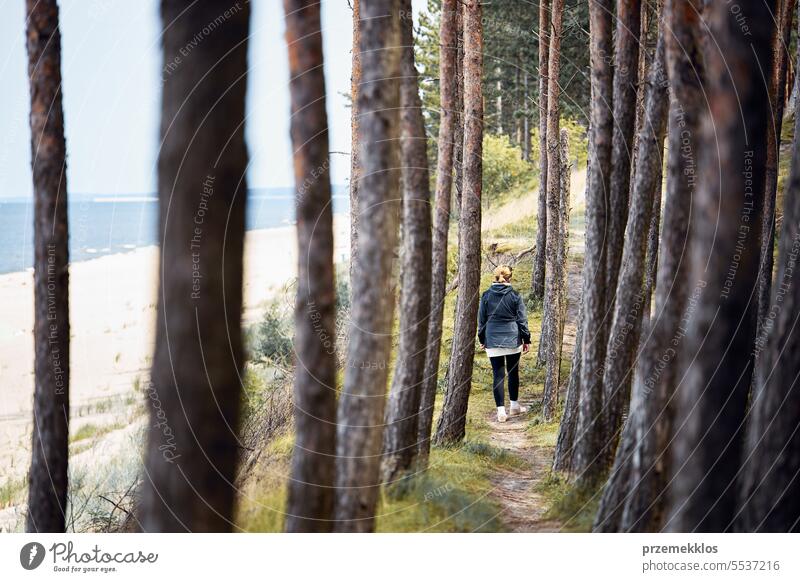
[(501, 414), (516, 409)]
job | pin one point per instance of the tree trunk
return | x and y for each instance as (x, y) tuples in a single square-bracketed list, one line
[(537, 281), (552, 306), (526, 120), (651, 263), (452, 422), (400, 436), (594, 289), (770, 495), (651, 21), (195, 389), (565, 444), (777, 88), (310, 504), (626, 67), (726, 231), (661, 364), (48, 479), (623, 343), (563, 243), (444, 177), (355, 167), (361, 406), (458, 140)]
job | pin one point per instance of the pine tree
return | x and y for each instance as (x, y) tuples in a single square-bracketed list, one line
[(47, 478), (192, 436), (452, 422), (362, 402), (310, 504), (400, 436)]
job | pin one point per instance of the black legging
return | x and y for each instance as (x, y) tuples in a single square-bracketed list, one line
[(499, 365)]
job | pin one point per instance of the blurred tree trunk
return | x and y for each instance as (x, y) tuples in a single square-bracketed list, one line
[(452, 422), (623, 343), (780, 58), (195, 390), (48, 478), (726, 230), (400, 437), (537, 281), (355, 168), (362, 402), (626, 69), (770, 487), (441, 221), (552, 306), (589, 439), (310, 504)]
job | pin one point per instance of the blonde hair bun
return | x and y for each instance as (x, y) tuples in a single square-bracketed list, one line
[(502, 274)]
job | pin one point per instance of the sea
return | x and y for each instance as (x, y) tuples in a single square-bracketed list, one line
[(108, 224)]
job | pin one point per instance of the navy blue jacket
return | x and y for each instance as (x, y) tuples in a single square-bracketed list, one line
[(502, 321)]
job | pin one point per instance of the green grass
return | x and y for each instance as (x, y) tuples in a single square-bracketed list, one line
[(570, 505), (12, 491), (92, 431)]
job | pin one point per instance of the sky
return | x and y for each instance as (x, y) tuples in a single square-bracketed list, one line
[(111, 69)]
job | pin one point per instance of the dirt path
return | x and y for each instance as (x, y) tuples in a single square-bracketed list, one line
[(523, 507)]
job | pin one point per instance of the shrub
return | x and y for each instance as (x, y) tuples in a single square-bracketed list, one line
[(503, 167), (273, 338)]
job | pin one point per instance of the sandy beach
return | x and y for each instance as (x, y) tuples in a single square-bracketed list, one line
[(112, 312)]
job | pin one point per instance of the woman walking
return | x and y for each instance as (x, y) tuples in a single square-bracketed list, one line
[(503, 333)]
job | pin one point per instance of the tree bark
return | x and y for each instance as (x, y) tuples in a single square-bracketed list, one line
[(361, 406), (400, 436), (537, 281), (48, 477), (355, 167), (626, 68), (448, 116), (633, 499), (594, 281), (552, 305), (661, 364), (651, 264), (452, 422), (563, 243), (623, 343), (726, 231), (195, 389), (777, 88), (770, 495), (565, 444), (458, 141), (310, 504)]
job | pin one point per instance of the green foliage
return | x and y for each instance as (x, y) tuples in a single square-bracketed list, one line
[(273, 339), (503, 168), (511, 53)]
